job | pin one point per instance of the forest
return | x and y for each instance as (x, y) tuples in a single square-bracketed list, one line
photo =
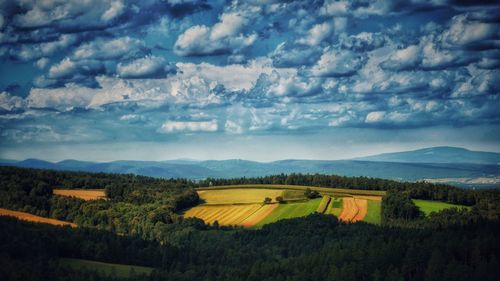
[(140, 224)]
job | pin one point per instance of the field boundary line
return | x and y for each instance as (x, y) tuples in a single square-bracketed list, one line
[(325, 190)]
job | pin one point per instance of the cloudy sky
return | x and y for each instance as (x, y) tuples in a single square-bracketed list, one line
[(263, 80)]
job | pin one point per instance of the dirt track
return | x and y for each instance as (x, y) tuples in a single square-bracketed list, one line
[(32, 218), (354, 209)]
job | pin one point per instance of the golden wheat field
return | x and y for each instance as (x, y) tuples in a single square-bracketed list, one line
[(32, 218), (238, 195), (225, 214), (353, 209), (85, 194)]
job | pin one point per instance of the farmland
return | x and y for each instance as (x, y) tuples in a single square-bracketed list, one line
[(291, 210), (353, 209), (85, 194), (32, 218), (238, 195), (224, 215), (243, 204), (105, 269), (374, 212), (322, 190), (428, 206), (143, 224)]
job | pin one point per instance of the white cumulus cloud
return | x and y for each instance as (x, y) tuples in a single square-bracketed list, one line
[(189, 126), (226, 36)]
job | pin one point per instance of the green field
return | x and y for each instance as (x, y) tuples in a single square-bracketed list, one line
[(291, 210), (293, 195), (324, 204), (374, 212), (428, 206), (335, 207), (106, 269)]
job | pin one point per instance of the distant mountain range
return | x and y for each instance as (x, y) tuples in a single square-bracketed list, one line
[(442, 154), (430, 163)]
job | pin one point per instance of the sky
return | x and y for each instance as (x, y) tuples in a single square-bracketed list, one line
[(107, 80)]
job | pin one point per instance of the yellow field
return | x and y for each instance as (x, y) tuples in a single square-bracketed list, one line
[(225, 214), (85, 194), (32, 218), (322, 190), (353, 209), (261, 214), (323, 205), (238, 195)]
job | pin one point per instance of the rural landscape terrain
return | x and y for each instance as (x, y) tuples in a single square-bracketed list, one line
[(249, 140), (96, 226)]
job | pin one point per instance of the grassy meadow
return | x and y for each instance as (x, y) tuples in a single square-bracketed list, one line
[(291, 210), (428, 206), (374, 212)]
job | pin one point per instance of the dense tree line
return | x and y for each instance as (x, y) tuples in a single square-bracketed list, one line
[(317, 247)]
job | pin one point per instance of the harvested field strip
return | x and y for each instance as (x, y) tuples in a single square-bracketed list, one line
[(105, 269), (32, 218), (362, 205), (323, 205), (322, 190), (259, 215), (85, 194), (374, 212), (349, 209), (353, 209), (238, 195), (373, 198), (291, 210), (224, 215), (218, 213)]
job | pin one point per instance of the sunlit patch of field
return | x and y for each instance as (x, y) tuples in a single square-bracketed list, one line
[(85, 194), (243, 205), (353, 209), (428, 206), (259, 215), (291, 210), (374, 212), (335, 207), (238, 195), (32, 218), (223, 214), (324, 204)]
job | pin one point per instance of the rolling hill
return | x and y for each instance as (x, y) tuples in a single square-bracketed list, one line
[(431, 163), (442, 154)]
